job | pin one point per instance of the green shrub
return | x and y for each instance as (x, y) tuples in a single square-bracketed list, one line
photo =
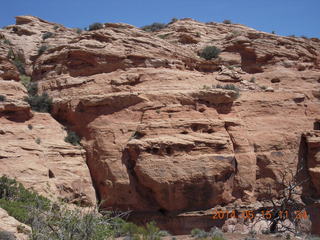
[(78, 30), (95, 26), (20, 65), (22, 229), (227, 21), (198, 233), (229, 87), (253, 80), (213, 234), (38, 140), (2, 98), (32, 88), (7, 41), (164, 36), (10, 54), (152, 232), (55, 27), (59, 222), (173, 20), (72, 138), (40, 103), (25, 80), (47, 35), (17, 60), (16, 200), (154, 27), (313, 238), (42, 49), (30, 126), (5, 235), (209, 52)]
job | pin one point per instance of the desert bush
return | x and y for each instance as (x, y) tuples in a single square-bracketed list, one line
[(16, 200), (42, 49), (95, 26), (59, 222), (10, 54), (164, 36), (40, 103), (5, 235), (206, 87), (313, 238), (47, 35), (2, 98), (253, 80), (154, 27), (72, 138), (229, 87), (30, 126), (32, 88), (25, 80), (214, 234), (17, 60), (173, 20), (227, 21), (7, 41), (198, 233), (38, 140), (152, 232), (78, 30), (20, 65), (209, 52)]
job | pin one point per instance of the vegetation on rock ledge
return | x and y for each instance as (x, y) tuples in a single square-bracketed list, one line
[(56, 220), (209, 52)]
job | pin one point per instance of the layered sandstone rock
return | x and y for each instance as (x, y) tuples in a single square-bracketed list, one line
[(313, 159), (157, 136), (34, 152)]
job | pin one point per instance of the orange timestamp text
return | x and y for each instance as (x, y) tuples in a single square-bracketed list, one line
[(249, 214)]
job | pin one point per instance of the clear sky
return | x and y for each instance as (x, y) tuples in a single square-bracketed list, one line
[(285, 17)]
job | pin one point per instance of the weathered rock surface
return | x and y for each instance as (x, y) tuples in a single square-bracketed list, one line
[(156, 136), (9, 224), (313, 160), (34, 152)]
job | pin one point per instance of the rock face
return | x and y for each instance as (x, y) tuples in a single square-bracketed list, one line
[(156, 136), (313, 160), (34, 152), (11, 225)]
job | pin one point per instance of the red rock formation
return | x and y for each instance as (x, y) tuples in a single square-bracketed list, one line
[(156, 136)]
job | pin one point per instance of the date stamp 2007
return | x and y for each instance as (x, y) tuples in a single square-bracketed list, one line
[(249, 214)]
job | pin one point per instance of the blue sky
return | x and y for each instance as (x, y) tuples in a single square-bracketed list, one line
[(285, 17)]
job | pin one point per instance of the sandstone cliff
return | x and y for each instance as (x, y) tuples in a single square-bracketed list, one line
[(155, 137)]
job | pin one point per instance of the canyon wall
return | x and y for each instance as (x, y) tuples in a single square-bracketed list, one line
[(158, 136)]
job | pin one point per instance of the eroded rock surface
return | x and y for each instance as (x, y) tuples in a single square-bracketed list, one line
[(157, 136)]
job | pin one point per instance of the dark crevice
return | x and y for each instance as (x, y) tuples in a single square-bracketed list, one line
[(146, 194)]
